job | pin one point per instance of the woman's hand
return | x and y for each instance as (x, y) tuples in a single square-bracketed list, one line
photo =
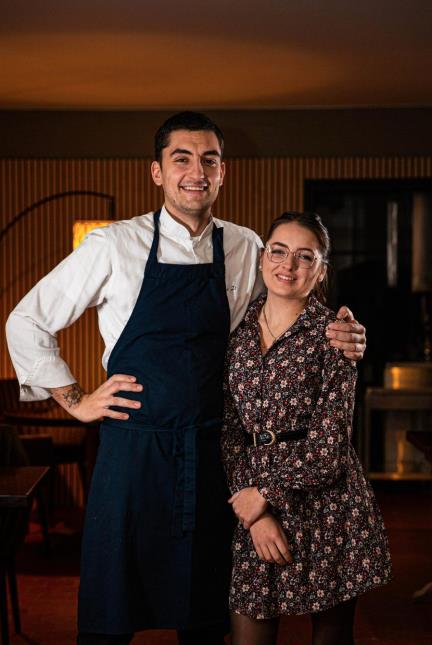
[(270, 541), (248, 504), (90, 407), (347, 335)]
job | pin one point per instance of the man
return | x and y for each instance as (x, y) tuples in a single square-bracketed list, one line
[(168, 287)]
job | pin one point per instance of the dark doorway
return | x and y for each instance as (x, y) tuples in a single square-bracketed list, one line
[(356, 214)]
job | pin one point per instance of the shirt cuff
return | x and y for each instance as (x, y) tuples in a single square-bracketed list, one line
[(44, 376)]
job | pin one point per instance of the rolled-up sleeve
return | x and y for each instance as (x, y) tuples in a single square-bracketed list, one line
[(54, 303)]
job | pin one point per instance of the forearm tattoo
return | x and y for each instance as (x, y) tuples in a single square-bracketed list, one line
[(73, 396)]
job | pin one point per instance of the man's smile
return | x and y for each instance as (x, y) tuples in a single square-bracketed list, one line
[(194, 188)]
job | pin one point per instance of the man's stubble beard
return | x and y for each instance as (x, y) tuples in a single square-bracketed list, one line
[(196, 212)]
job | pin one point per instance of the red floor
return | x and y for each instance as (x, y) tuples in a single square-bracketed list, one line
[(48, 585)]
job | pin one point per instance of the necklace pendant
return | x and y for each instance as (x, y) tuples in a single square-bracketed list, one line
[(275, 338)]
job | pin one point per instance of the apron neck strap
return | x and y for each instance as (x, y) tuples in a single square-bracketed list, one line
[(217, 240), (218, 249), (155, 244)]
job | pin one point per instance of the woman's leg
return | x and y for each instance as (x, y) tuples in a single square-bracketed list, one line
[(251, 631), (334, 626)]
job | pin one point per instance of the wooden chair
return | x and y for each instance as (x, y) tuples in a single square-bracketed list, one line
[(13, 529), (68, 444)]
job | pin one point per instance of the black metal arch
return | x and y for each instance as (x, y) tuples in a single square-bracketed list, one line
[(54, 197)]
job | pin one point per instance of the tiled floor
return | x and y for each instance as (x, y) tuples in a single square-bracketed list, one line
[(387, 616)]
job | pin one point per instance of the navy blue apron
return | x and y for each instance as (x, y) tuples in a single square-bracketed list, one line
[(156, 545)]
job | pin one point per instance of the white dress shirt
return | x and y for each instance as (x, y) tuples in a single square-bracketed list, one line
[(106, 271)]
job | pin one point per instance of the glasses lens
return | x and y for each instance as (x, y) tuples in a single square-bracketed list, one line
[(276, 254), (305, 257)]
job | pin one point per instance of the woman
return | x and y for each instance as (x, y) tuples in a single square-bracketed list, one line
[(310, 537)]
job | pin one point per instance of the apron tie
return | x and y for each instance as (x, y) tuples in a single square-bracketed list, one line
[(185, 450), (187, 498)]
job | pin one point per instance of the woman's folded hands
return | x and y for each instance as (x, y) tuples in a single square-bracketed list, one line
[(248, 504)]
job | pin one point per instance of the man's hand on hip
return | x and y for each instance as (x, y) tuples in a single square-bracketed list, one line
[(90, 407)]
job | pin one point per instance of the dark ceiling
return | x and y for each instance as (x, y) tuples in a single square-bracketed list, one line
[(236, 54)]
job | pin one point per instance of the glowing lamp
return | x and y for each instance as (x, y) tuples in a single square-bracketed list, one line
[(82, 227)]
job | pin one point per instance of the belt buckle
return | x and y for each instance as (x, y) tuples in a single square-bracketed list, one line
[(272, 438)]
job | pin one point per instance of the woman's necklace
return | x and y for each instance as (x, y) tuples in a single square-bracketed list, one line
[(276, 338)]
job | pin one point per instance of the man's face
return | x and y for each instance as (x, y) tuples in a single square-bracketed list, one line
[(191, 172)]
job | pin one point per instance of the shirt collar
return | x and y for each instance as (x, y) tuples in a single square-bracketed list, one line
[(174, 230)]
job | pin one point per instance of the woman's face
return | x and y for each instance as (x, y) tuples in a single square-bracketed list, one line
[(292, 277)]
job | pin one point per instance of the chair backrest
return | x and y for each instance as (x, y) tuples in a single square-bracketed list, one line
[(9, 395), (10, 398), (39, 449), (13, 521), (12, 452)]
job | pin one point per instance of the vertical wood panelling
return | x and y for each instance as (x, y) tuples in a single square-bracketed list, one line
[(255, 191)]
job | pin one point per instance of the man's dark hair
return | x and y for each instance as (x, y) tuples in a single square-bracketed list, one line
[(192, 121)]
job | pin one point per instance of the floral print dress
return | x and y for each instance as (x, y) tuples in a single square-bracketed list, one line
[(314, 485)]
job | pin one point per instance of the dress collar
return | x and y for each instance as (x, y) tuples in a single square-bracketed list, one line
[(174, 230)]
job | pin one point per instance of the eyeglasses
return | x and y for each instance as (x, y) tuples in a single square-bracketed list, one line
[(303, 257)]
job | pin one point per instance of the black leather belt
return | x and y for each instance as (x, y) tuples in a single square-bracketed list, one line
[(268, 437)]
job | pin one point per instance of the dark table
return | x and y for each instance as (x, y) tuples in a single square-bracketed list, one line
[(48, 415), (17, 485)]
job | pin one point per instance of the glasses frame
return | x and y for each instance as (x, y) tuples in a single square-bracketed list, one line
[(268, 249)]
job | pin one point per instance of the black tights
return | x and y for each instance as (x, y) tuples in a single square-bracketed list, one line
[(250, 631), (331, 627)]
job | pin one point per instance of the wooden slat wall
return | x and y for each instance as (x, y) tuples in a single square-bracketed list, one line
[(255, 191)]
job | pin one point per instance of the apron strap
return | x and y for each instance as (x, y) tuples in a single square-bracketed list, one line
[(218, 249), (152, 258)]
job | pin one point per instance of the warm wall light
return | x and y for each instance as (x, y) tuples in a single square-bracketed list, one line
[(82, 227), (109, 199)]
